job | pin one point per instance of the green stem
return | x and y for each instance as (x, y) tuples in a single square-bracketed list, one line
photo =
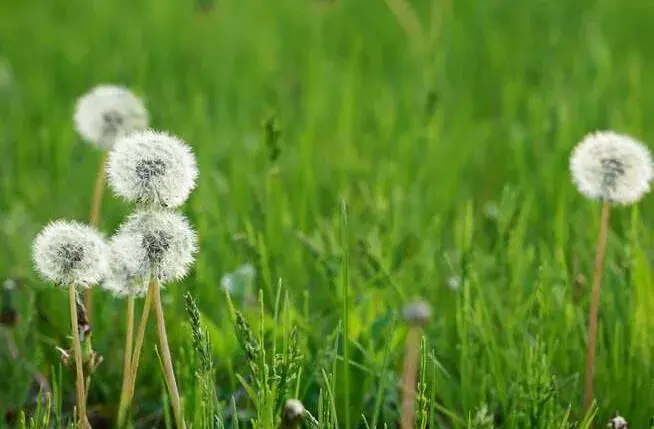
[(127, 362), (165, 355), (77, 346), (136, 356)]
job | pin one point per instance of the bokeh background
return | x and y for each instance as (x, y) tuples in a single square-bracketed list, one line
[(444, 127)]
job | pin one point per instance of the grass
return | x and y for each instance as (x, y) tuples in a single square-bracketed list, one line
[(450, 152)]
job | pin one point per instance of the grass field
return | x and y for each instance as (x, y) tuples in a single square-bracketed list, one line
[(355, 160)]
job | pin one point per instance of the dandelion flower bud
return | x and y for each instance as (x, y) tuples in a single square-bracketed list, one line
[(611, 167), (108, 112), (152, 168), (417, 313), (125, 274), (293, 411), (69, 253), (157, 244)]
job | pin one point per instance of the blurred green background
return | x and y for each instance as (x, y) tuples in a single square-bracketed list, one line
[(449, 143)]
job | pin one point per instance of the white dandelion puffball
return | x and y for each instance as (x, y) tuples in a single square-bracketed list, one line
[(158, 244), (612, 167), (125, 275), (618, 422), (152, 168), (108, 112), (293, 410), (417, 313), (70, 253)]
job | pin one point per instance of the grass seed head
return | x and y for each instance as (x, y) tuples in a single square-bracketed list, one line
[(153, 169), (611, 167), (68, 253), (157, 244), (108, 112)]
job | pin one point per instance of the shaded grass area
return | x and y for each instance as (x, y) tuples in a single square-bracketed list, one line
[(451, 153)]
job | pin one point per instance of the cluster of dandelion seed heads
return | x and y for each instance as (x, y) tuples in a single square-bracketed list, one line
[(153, 169), (157, 244), (125, 275), (69, 253), (611, 167), (108, 112)]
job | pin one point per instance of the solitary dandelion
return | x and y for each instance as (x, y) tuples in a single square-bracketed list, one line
[(158, 246), (292, 414), (618, 422), (72, 255), (102, 115), (416, 315), (614, 169), (152, 169)]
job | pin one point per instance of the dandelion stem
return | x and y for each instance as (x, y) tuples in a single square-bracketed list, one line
[(594, 306), (96, 204), (81, 397), (127, 363), (136, 356), (409, 377), (165, 355)]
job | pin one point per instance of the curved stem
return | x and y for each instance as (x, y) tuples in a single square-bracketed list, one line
[(136, 356), (594, 306), (127, 362), (165, 355), (96, 204), (81, 396)]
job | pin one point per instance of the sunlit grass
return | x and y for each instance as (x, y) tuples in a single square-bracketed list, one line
[(452, 159)]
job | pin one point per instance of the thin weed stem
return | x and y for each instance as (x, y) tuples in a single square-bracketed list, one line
[(77, 346), (594, 306), (96, 205), (165, 355), (409, 377), (127, 362)]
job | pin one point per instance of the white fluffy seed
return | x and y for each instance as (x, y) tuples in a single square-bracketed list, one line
[(69, 253), (157, 244), (153, 169), (611, 167), (108, 112)]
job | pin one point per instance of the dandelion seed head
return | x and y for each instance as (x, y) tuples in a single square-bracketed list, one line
[(454, 282), (293, 410), (612, 167), (152, 168), (108, 112), (69, 253), (417, 313), (125, 273), (618, 422), (157, 244)]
